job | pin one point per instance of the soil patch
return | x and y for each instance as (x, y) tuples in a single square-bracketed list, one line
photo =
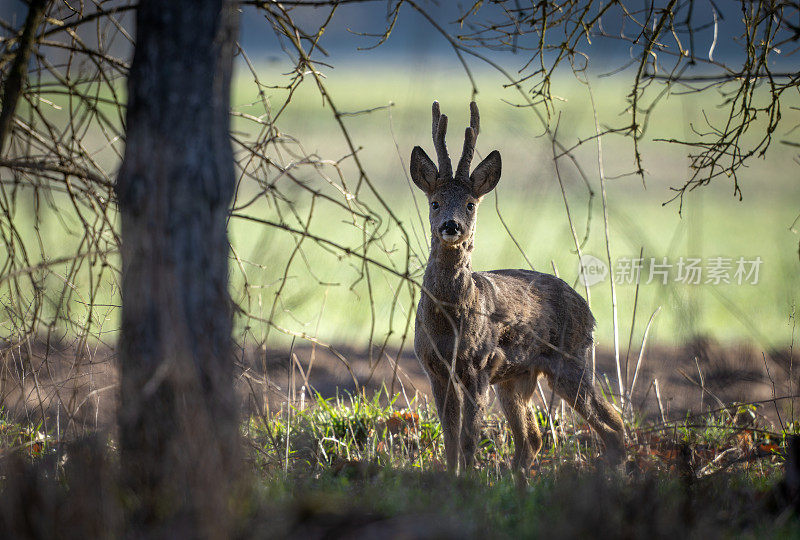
[(76, 390)]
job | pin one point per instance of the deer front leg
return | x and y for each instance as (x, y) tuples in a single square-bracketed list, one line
[(448, 404), (476, 396)]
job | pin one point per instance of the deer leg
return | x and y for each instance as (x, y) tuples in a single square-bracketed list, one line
[(534, 433), (448, 404), (515, 400), (573, 384), (476, 390)]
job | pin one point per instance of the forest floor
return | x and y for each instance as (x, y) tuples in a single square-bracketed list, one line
[(330, 461)]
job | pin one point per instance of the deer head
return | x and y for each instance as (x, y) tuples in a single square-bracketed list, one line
[(453, 199)]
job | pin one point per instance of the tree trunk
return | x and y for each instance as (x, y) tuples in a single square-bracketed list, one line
[(179, 444), (15, 79)]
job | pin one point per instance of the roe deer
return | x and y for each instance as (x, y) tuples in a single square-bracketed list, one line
[(502, 328)]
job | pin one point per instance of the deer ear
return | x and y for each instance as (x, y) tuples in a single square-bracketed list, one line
[(423, 171), (486, 175)]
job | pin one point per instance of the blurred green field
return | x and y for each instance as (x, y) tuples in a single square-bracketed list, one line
[(713, 223), (324, 292)]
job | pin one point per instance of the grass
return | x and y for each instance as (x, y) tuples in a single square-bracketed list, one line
[(354, 465), (570, 504), (355, 430), (28, 440), (528, 200)]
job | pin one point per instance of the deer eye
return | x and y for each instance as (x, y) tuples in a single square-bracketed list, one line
[(470, 206), (435, 205)]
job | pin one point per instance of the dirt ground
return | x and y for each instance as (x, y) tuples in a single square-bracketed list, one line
[(720, 374), (75, 390)]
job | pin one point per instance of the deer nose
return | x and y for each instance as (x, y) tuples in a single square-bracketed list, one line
[(450, 228)]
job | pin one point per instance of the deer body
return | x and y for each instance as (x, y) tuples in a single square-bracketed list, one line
[(504, 327)]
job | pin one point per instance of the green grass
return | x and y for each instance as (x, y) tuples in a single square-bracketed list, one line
[(30, 441), (715, 475), (312, 437), (529, 199), (567, 505), (353, 462)]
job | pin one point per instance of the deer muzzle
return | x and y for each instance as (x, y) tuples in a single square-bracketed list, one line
[(451, 231)]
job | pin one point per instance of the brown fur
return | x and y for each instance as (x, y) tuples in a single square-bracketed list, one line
[(504, 328)]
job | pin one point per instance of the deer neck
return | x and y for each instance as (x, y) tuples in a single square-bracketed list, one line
[(448, 276)]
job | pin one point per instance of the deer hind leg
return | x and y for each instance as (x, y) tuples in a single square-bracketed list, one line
[(573, 384), (515, 399)]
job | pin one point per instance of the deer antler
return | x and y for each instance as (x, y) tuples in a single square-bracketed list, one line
[(470, 137), (439, 130)]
